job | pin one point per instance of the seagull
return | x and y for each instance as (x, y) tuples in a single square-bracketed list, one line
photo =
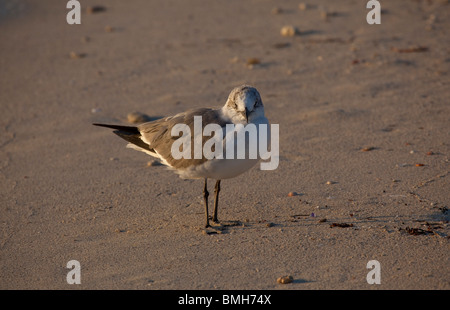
[(243, 106)]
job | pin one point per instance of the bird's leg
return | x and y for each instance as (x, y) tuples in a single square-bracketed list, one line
[(216, 201), (205, 197)]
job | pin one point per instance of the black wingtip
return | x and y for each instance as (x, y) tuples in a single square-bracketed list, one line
[(125, 129), (128, 133), (97, 124), (103, 125)]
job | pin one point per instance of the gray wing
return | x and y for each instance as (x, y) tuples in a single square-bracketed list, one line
[(157, 134)]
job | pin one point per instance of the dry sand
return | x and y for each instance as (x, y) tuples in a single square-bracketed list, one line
[(72, 191)]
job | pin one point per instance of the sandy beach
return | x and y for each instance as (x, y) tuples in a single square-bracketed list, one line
[(364, 132)]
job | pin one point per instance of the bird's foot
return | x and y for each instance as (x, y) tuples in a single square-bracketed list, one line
[(212, 230), (213, 227)]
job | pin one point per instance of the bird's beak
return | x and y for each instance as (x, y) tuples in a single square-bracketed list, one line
[(247, 113)]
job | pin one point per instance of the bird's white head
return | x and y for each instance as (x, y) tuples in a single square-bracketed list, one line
[(244, 105)]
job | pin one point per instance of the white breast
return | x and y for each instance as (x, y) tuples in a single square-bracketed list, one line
[(228, 167)]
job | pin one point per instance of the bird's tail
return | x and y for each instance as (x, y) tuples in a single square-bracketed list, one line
[(128, 133), (125, 129)]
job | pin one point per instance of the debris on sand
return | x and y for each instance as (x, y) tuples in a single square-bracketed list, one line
[(137, 117), (415, 231), (285, 279), (153, 163), (303, 6), (368, 149), (276, 10), (342, 225), (289, 31), (95, 9), (109, 28), (413, 49), (430, 229), (253, 61), (75, 55)]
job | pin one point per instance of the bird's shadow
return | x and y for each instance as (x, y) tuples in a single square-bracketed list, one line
[(301, 281), (221, 228)]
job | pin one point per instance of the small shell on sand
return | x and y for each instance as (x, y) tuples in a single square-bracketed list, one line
[(368, 149), (109, 28), (75, 55), (153, 163), (253, 61), (95, 9), (137, 117), (234, 60), (303, 6), (285, 279), (277, 10), (324, 15), (289, 31)]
